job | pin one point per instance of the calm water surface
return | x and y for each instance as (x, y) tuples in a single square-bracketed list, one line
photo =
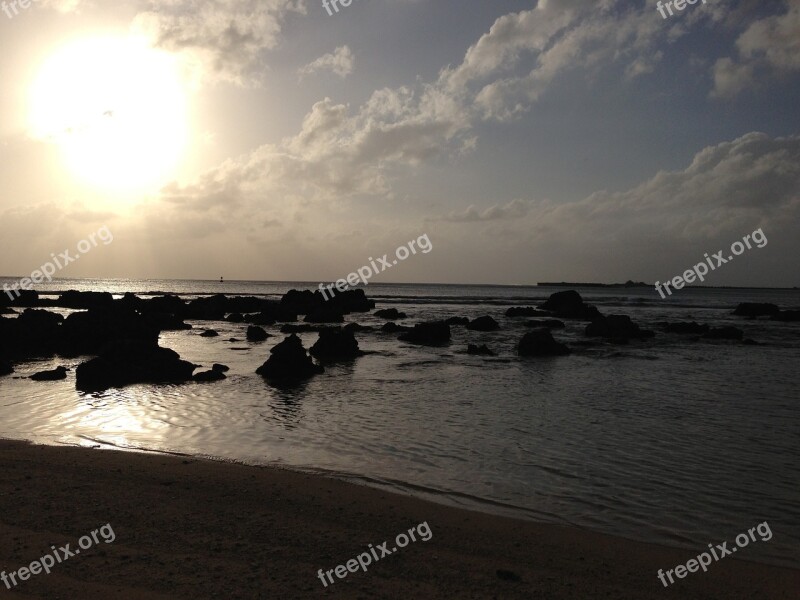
[(670, 440)]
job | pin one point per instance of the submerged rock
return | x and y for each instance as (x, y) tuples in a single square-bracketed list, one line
[(390, 313), (540, 342), (725, 333), (289, 363), (617, 327), (433, 333), (756, 309), (479, 350), (55, 375)]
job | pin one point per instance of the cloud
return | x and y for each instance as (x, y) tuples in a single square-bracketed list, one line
[(770, 45), (513, 210), (225, 39), (341, 62)]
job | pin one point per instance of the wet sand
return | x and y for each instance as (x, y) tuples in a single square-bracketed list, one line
[(189, 528)]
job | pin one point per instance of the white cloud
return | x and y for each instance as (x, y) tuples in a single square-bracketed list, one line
[(341, 62)]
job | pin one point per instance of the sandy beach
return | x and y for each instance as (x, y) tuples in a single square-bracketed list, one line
[(189, 528)]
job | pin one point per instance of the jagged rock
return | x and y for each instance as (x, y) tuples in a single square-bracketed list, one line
[(55, 375), (540, 342), (479, 350), (349, 301), (616, 327), (546, 323), (288, 363), (209, 333), (756, 309), (484, 323), (725, 333), (570, 305), (336, 345), (391, 314), (256, 334), (302, 302), (132, 361), (433, 333)]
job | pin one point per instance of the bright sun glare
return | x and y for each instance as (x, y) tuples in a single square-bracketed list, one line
[(117, 110)]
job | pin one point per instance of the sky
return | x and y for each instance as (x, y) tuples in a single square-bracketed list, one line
[(549, 140)]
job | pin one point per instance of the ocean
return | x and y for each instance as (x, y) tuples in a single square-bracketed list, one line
[(670, 440)]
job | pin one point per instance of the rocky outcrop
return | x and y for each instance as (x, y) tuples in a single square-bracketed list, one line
[(484, 323), (684, 328), (56, 374), (394, 328), (457, 321), (336, 345), (288, 363), (616, 327), (256, 334), (540, 342), (6, 368), (85, 300), (523, 311), (88, 332), (129, 362), (325, 314), (390, 313), (570, 305), (434, 333)]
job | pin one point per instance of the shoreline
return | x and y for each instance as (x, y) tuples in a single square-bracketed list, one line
[(188, 527)]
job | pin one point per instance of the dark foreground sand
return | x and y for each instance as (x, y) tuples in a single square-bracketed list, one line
[(188, 528)]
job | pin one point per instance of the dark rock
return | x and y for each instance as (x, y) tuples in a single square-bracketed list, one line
[(265, 319), (684, 328), (88, 332), (391, 314), (523, 311), (304, 328), (479, 350), (756, 309), (6, 368), (457, 321), (164, 304), (302, 302), (725, 333), (33, 334), (325, 315), (220, 368), (25, 298), (128, 362), (212, 308), (356, 327), (428, 334), (394, 328), (749, 342), (256, 334), (335, 345), (235, 318), (786, 316), (85, 300), (484, 323), (55, 375), (570, 305), (616, 327), (349, 301), (540, 342), (209, 333), (507, 575), (165, 321), (209, 376), (289, 363), (547, 323)]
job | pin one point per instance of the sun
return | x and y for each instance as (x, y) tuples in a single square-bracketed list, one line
[(116, 108)]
